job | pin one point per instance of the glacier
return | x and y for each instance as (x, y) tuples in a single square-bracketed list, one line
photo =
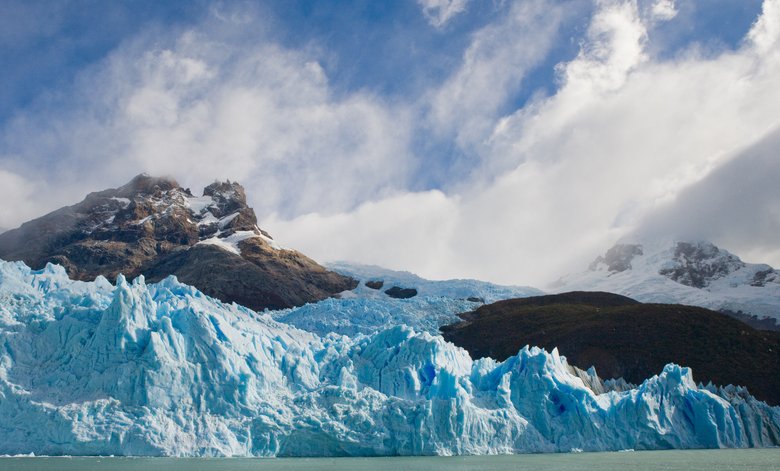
[(455, 289), (356, 316), (365, 310), (95, 368)]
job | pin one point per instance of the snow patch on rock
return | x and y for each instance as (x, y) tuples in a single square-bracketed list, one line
[(691, 273)]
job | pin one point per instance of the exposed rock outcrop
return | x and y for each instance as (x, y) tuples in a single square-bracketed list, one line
[(401, 293), (689, 272), (375, 284), (153, 226), (698, 264)]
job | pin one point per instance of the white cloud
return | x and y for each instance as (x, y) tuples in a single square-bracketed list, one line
[(270, 119), (736, 206), (407, 231), (766, 31), (623, 135), (439, 12), (493, 67), (15, 195), (615, 46), (664, 10), (199, 108), (557, 182)]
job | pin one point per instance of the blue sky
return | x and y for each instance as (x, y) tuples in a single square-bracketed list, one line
[(368, 44), (500, 139)]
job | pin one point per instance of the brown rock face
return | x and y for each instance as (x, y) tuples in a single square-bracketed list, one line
[(154, 227), (375, 284)]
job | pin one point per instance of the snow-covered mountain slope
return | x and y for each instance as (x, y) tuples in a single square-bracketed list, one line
[(480, 291), (693, 273), (366, 310), (161, 369)]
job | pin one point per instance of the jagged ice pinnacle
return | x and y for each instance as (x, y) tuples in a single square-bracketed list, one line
[(161, 369)]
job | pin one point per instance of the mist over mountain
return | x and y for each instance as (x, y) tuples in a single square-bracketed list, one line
[(734, 206)]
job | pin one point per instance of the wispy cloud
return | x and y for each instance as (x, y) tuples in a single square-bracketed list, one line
[(623, 135), (439, 12), (200, 108), (16, 195), (765, 33), (465, 107), (333, 172)]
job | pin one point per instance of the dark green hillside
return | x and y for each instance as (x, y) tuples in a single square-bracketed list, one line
[(624, 338)]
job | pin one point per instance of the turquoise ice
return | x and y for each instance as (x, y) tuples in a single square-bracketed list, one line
[(161, 369)]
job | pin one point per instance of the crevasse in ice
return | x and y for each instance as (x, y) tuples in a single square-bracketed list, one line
[(161, 369)]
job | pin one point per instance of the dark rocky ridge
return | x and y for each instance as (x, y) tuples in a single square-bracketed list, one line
[(697, 264), (152, 226), (624, 338)]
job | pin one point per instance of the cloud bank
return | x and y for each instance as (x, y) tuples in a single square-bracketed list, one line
[(535, 189), (737, 204)]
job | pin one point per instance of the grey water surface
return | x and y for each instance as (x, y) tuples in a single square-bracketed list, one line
[(693, 460)]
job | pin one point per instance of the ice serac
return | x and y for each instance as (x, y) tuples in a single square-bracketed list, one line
[(162, 369), (695, 273), (153, 226)]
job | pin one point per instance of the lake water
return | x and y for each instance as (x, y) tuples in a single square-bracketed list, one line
[(693, 460)]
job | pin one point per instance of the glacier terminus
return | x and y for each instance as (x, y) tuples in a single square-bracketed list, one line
[(95, 368)]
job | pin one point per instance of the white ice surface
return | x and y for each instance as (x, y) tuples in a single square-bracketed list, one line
[(365, 310), (455, 289), (161, 369)]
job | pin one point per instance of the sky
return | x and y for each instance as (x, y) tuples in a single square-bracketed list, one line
[(506, 140)]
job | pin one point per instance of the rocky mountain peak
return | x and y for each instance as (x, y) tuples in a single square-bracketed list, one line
[(686, 272), (697, 264), (226, 191), (690, 263), (145, 184), (225, 210), (153, 226)]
